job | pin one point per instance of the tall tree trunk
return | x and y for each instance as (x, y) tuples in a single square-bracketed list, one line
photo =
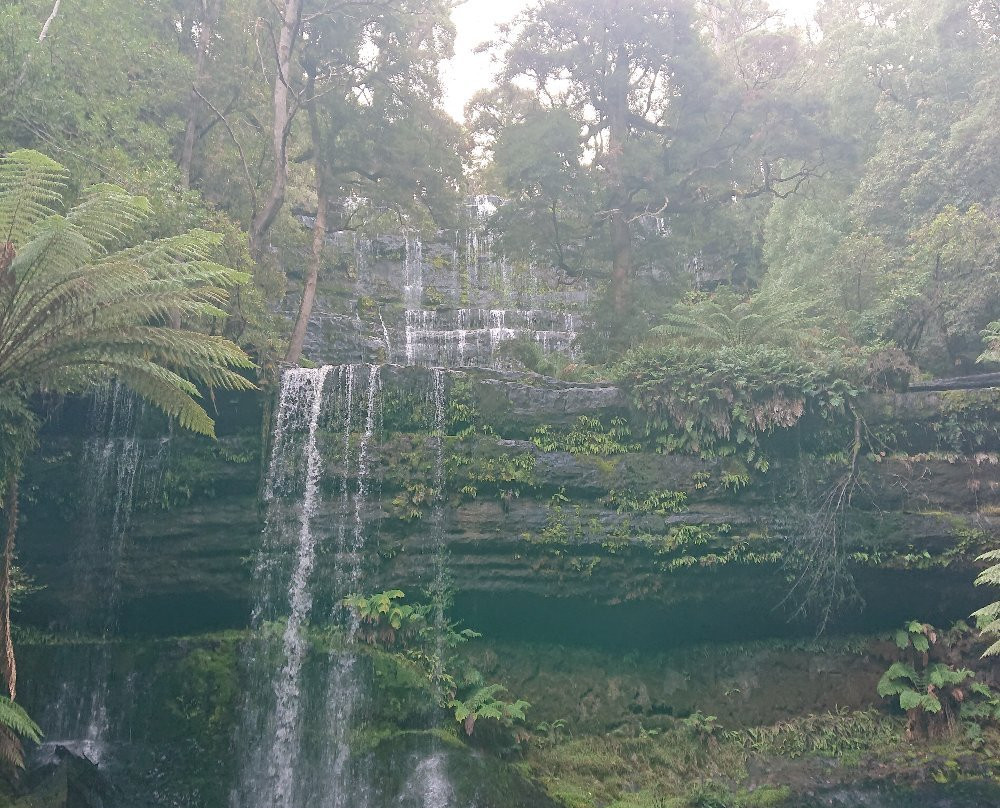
[(319, 230), (283, 114), (312, 276), (210, 10), (621, 233), (9, 665)]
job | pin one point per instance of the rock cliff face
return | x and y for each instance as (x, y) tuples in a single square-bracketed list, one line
[(530, 528)]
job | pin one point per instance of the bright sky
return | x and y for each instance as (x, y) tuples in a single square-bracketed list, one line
[(477, 20)]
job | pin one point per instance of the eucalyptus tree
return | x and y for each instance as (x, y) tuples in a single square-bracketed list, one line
[(621, 69), (689, 120), (81, 302)]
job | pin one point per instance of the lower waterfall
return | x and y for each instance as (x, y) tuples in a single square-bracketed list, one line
[(117, 468), (307, 685)]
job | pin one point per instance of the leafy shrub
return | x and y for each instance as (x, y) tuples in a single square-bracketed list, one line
[(483, 703), (721, 402), (931, 692)]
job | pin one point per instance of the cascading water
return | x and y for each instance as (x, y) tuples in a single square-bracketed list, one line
[(284, 704), (270, 772), (429, 785), (303, 705), (474, 337), (115, 468), (344, 780)]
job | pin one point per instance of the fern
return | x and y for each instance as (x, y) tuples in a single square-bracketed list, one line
[(991, 337), (78, 305), (725, 320), (484, 703), (15, 724), (988, 617)]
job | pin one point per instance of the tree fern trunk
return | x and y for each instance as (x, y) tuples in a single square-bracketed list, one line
[(9, 666)]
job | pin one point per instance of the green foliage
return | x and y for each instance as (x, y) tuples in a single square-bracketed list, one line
[(917, 690), (561, 526), (485, 704), (991, 338), (916, 635), (833, 734), (662, 503), (421, 638), (587, 436), (508, 475), (931, 691), (209, 690), (727, 401), (410, 503), (551, 732), (79, 305), (776, 318), (15, 725), (988, 617), (385, 620)]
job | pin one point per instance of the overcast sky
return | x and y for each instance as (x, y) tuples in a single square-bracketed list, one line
[(476, 21)]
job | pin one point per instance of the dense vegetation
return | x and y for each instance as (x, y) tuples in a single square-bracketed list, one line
[(775, 224)]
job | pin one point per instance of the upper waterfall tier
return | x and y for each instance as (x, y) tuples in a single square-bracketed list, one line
[(450, 301)]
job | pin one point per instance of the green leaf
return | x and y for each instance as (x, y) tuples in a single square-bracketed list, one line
[(911, 699)]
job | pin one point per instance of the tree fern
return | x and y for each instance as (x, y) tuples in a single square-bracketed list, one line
[(484, 703), (725, 320), (988, 618), (77, 305), (81, 303), (15, 724)]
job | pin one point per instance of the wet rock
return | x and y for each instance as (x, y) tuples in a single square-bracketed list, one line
[(60, 777)]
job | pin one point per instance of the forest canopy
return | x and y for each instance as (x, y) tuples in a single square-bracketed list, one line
[(664, 152)]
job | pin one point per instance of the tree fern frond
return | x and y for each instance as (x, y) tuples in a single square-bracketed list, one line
[(991, 338), (170, 393), (106, 216), (32, 188), (14, 717), (81, 306)]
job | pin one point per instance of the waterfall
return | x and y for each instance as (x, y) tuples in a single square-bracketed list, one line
[(385, 336), (344, 782), (114, 470), (429, 785), (281, 769), (305, 386), (473, 337), (270, 772)]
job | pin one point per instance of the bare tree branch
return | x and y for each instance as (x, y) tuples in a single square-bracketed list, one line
[(239, 147)]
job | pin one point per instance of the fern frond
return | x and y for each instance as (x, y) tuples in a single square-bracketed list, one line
[(14, 718), (82, 306), (106, 216), (32, 188)]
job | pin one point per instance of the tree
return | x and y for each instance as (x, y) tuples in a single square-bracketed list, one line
[(80, 304), (285, 104), (618, 68), (382, 149), (689, 121)]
